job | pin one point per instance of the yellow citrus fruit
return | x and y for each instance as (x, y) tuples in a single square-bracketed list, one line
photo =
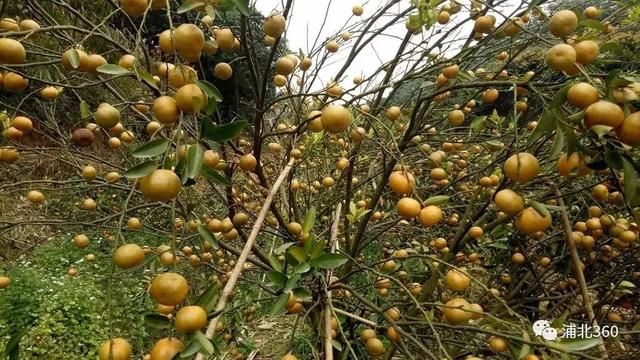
[(521, 167), (498, 344), (107, 116), (489, 96), (456, 117), (166, 349), (629, 132), (22, 123), (81, 241), (225, 39), (332, 46), (582, 95), (375, 347), (408, 208), (169, 289), (563, 23), (562, 57), (455, 311), (531, 221), (190, 98), (49, 93), (15, 82), (274, 26), (586, 51), (134, 8), (335, 118), (456, 280), (165, 109), (603, 113), (591, 12), (430, 215), (509, 202), (223, 71), (160, 185), (35, 197), (12, 52), (191, 319), (189, 40), (128, 256), (484, 24), (247, 162), (94, 61), (115, 349), (127, 61), (401, 182)]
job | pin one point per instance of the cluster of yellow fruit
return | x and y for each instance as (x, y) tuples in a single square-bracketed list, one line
[(20, 125), (168, 290), (567, 57), (599, 112), (286, 65)]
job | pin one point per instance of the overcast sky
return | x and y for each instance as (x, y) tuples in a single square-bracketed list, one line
[(306, 22)]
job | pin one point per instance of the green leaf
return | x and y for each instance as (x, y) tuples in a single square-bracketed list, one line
[(437, 200), (630, 180), (282, 248), (207, 300), (579, 344), (242, 6), (298, 254), (309, 220), (211, 107), (85, 111), (207, 235), (593, 24), (546, 126), (214, 176), (561, 96), (148, 78), (205, 344), (336, 344), (277, 278), (194, 162), (498, 245), (558, 145), (613, 158), (540, 208), (187, 6), (209, 89), (141, 170), (302, 268), (329, 261), (275, 263), (222, 133), (112, 69), (302, 293), (278, 306), (74, 58), (192, 348), (318, 248), (152, 148), (14, 342), (292, 282), (157, 321), (525, 349)]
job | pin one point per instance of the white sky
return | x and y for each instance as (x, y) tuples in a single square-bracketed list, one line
[(305, 23)]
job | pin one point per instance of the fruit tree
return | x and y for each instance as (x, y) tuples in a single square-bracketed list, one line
[(419, 179)]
